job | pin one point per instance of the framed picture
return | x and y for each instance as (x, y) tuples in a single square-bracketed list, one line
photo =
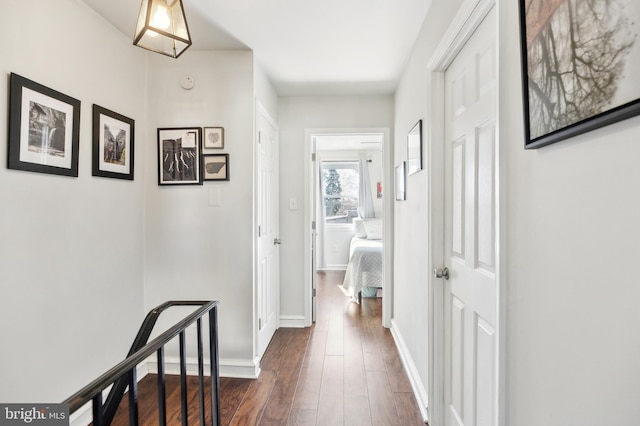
[(44, 127), (214, 137), (216, 167), (414, 149), (400, 181), (179, 159), (113, 147), (577, 77)]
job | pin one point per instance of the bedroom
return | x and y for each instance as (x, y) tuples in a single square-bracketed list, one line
[(349, 211)]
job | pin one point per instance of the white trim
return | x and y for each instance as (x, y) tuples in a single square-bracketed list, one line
[(462, 27), (333, 267), (292, 321), (417, 384), (236, 368), (467, 20), (387, 182), (259, 109)]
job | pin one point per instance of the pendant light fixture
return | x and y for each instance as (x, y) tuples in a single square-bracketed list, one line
[(162, 27)]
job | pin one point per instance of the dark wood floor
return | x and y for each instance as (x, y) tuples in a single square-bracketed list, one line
[(344, 370)]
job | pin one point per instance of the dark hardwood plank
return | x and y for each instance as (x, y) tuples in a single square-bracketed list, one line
[(382, 403), (281, 399), (302, 417), (255, 399), (308, 388), (331, 404), (354, 378), (232, 392), (408, 408), (357, 411)]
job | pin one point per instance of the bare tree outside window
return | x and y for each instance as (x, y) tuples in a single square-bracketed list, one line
[(340, 181)]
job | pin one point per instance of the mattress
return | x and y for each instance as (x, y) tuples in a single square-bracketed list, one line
[(365, 266)]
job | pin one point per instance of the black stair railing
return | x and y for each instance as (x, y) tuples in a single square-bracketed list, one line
[(125, 374)]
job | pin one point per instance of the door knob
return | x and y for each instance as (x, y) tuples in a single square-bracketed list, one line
[(441, 273), (276, 241)]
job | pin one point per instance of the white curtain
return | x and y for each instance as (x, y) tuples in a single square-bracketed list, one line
[(320, 215), (365, 206)]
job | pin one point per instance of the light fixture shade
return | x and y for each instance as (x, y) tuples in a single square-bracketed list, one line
[(162, 27)]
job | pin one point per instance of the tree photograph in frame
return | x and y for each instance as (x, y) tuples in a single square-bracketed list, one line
[(213, 137), (113, 144), (580, 59), (216, 167), (44, 127), (179, 159)]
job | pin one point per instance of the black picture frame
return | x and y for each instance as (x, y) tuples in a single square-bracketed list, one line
[(573, 88), (414, 149), (215, 167), (213, 138), (179, 156), (44, 128), (113, 144)]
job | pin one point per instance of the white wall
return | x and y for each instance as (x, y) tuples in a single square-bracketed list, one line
[(194, 250), (70, 248), (410, 303), (572, 212), (297, 114)]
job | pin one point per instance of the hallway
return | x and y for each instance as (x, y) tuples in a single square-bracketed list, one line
[(350, 372)]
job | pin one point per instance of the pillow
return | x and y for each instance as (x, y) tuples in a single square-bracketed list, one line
[(374, 229), (358, 228)]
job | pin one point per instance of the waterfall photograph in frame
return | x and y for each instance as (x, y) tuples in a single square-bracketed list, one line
[(580, 59), (44, 128)]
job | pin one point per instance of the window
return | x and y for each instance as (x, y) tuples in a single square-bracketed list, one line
[(340, 186)]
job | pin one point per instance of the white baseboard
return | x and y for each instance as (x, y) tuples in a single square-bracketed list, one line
[(336, 267), (292, 321), (237, 368), (414, 378)]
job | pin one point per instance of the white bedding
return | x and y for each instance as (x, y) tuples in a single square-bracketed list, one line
[(365, 266)]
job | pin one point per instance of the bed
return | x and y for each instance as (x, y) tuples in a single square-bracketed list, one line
[(364, 270)]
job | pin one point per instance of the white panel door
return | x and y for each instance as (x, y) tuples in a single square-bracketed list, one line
[(470, 310), (268, 269)]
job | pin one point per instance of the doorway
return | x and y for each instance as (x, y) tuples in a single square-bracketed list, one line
[(345, 165), (466, 357)]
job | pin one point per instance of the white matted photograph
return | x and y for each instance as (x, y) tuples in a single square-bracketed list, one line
[(213, 138), (216, 167)]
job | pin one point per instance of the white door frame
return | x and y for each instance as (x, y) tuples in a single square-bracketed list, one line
[(469, 17), (309, 214), (260, 110)]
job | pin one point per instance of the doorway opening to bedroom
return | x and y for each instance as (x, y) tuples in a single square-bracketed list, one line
[(347, 200)]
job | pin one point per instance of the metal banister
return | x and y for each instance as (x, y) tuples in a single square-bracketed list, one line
[(121, 375)]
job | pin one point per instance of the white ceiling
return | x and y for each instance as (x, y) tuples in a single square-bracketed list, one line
[(306, 47)]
